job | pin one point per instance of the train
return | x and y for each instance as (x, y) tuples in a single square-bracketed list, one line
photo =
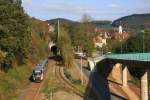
[(39, 71)]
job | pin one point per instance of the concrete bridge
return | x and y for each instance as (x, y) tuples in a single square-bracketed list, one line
[(137, 63)]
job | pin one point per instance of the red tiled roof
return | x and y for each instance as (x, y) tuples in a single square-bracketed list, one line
[(97, 40)]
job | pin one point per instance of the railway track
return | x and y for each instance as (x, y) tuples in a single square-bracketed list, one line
[(33, 90), (59, 73)]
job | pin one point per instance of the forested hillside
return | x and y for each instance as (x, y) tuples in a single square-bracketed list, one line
[(134, 23), (102, 23), (98, 23), (52, 21), (23, 43)]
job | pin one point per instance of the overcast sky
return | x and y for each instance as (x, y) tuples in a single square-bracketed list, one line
[(74, 9)]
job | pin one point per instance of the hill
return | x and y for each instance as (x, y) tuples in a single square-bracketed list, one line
[(134, 23), (102, 23), (98, 23), (62, 20)]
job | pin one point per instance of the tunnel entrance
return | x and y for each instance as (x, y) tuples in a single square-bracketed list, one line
[(54, 50)]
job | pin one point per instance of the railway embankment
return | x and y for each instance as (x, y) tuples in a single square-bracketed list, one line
[(62, 83)]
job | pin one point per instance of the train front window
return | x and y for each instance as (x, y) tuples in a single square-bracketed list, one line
[(37, 73)]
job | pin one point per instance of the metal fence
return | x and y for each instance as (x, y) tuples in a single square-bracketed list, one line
[(130, 56)]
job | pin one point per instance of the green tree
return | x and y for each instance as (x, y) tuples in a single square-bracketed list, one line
[(15, 35), (135, 43), (64, 43), (82, 35), (2, 57), (132, 44)]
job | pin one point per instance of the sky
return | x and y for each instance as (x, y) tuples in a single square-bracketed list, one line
[(74, 9)]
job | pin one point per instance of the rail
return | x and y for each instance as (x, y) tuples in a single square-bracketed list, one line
[(59, 73)]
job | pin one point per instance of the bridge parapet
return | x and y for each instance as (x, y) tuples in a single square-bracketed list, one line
[(51, 44), (93, 61), (130, 56)]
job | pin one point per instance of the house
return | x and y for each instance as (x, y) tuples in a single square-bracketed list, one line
[(51, 28), (114, 33), (99, 41), (103, 34), (121, 34)]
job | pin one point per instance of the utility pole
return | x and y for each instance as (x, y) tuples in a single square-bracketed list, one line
[(81, 72), (58, 30), (121, 46), (143, 41), (51, 95), (58, 36), (78, 48)]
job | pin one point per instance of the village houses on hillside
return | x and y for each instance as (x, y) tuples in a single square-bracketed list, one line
[(102, 35)]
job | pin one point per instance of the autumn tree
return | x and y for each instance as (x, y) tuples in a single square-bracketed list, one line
[(64, 44), (15, 36), (82, 35)]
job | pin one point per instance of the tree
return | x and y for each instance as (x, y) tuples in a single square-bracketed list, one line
[(41, 28), (2, 57), (15, 35), (82, 35), (64, 43), (86, 18), (135, 43)]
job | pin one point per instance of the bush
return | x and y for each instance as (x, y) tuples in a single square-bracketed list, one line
[(15, 79)]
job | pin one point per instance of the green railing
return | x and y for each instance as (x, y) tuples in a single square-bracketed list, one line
[(130, 56)]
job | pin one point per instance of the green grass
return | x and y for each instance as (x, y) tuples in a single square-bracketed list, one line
[(14, 80), (52, 86), (76, 83)]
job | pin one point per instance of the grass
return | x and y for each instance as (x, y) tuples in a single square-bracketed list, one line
[(76, 83), (12, 81), (51, 86)]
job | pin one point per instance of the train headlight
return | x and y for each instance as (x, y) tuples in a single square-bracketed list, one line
[(42, 76), (34, 78)]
